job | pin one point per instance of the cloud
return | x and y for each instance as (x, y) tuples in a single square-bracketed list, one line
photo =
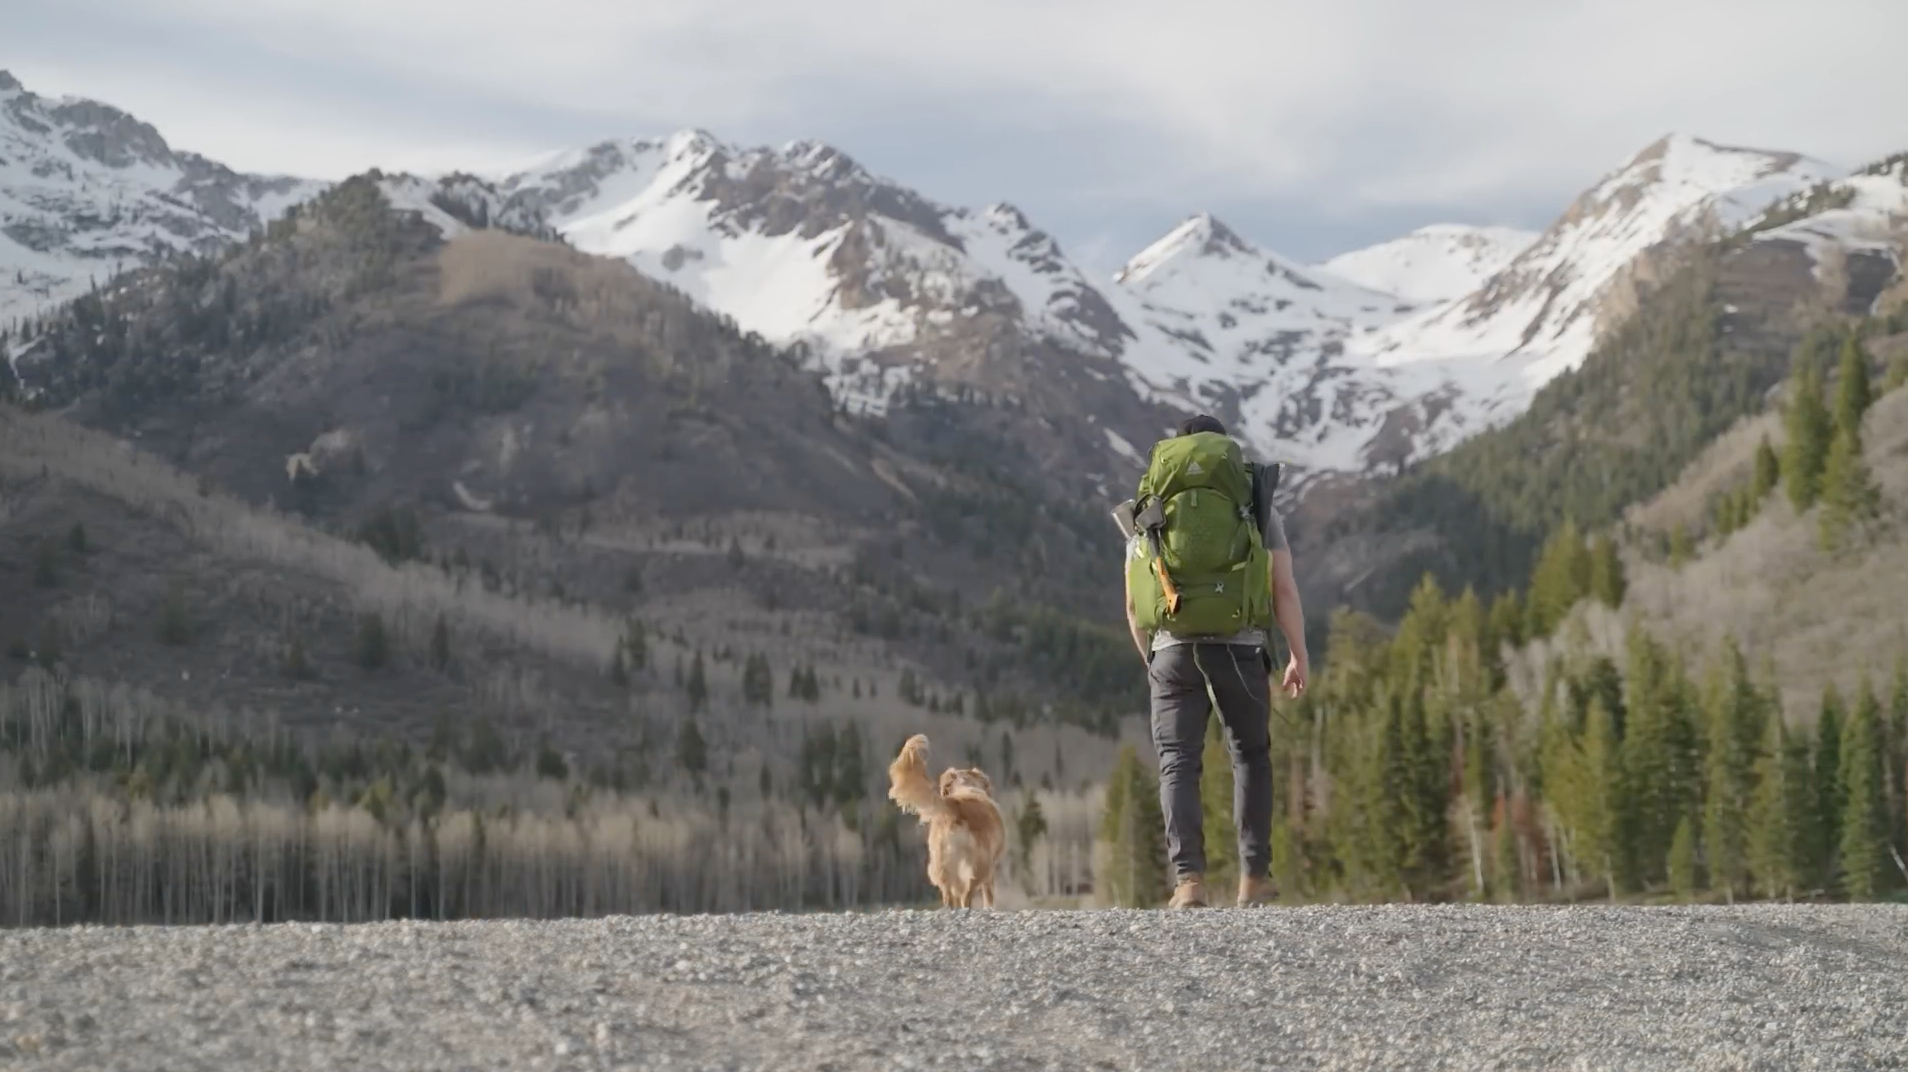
[(1331, 111)]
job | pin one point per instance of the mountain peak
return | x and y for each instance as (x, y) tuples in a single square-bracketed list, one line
[(1201, 235), (7, 81), (693, 141)]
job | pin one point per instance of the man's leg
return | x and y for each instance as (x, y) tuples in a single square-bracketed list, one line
[(1180, 708), (1243, 689)]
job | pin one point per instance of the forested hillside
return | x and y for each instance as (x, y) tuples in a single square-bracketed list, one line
[(357, 532), (1705, 346), (1708, 701), (375, 568)]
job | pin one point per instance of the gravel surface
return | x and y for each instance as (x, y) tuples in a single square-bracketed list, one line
[(1390, 987)]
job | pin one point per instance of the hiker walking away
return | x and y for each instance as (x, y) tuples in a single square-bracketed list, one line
[(1208, 571)]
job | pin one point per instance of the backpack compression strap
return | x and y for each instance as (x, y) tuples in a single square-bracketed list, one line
[(1150, 520)]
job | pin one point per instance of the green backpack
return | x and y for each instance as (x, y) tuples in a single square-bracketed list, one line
[(1198, 566)]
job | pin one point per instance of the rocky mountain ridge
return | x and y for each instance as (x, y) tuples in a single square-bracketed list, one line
[(1367, 363)]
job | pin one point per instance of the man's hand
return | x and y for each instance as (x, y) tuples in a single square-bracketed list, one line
[(1296, 673)]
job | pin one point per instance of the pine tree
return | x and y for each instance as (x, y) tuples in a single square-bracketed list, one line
[(1659, 751), (1782, 830), (1895, 756), (1810, 433), (1132, 835), (850, 771), (758, 680), (1768, 471), (1426, 845), (1849, 495), (1606, 572), (698, 685), (174, 628), (692, 751), (373, 643), (1830, 803), (637, 645), (1506, 623), (1729, 775), (618, 669), (1853, 394), (1597, 804), (1479, 789), (1681, 864), (440, 644), (1681, 549), (1377, 820), (1864, 842), (1561, 577), (296, 666)]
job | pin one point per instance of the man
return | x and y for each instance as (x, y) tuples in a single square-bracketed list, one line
[(1188, 677)]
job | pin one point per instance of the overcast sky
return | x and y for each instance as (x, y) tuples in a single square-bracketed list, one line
[(1310, 127)]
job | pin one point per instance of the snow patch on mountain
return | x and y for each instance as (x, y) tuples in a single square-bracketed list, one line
[(1225, 323), (86, 190), (1432, 264), (458, 203), (802, 245), (1865, 212), (1542, 306)]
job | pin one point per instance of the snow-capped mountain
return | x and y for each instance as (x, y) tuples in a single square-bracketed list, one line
[(1374, 358), (1541, 309), (86, 189), (803, 245), (1248, 333), (1433, 264)]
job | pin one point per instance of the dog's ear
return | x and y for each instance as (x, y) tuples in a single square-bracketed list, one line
[(981, 776), (949, 779)]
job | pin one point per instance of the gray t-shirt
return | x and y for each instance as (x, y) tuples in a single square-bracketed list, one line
[(1272, 533)]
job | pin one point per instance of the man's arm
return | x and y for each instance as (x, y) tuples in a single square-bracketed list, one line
[(1291, 618), (1286, 608)]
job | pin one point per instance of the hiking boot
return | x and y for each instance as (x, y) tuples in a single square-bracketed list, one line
[(1254, 892), (1191, 893)]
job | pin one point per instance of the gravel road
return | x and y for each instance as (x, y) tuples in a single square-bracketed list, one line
[(1389, 987)]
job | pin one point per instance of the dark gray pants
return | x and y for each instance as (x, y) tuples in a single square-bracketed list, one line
[(1240, 682)]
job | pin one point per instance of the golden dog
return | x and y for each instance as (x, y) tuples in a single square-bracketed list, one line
[(966, 837)]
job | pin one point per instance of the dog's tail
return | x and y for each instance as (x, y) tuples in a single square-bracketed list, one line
[(908, 783)]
